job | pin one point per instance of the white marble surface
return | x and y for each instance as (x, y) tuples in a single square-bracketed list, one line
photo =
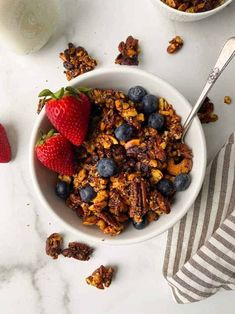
[(32, 283)]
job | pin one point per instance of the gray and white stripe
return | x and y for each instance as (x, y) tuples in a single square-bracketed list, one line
[(200, 253)]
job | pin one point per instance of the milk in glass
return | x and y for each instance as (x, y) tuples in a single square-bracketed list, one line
[(26, 25)]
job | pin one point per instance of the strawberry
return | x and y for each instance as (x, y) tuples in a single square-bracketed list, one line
[(69, 113), (5, 149), (56, 153)]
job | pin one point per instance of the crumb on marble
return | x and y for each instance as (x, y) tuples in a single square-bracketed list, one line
[(227, 100)]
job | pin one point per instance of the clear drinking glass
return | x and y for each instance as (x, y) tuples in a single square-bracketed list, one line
[(26, 25)]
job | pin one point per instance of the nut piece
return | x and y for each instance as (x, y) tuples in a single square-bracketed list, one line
[(129, 51), (206, 113), (101, 278), (53, 245), (175, 45), (184, 166), (76, 61), (227, 100), (77, 250)]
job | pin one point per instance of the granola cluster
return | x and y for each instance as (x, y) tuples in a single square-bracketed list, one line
[(142, 162), (175, 45), (101, 278), (193, 6), (129, 52), (206, 113), (76, 61), (79, 251), (53, 245)]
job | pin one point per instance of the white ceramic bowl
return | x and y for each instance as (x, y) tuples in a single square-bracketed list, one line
[(180, 16), (122, 78)]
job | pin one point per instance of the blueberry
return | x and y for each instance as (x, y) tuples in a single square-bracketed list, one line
[(149, 104), (136, 93), (156, 121), (124, 132), (140, 225), (62, 189), (87, 193), (182, 182), (165, 187), (106, 167)]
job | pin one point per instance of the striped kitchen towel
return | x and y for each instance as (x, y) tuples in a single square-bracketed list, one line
[(200, 253)]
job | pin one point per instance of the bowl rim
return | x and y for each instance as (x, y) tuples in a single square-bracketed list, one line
[(190, 14), (114, 240)]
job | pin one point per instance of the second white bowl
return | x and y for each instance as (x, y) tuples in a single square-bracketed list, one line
[(180, 16)]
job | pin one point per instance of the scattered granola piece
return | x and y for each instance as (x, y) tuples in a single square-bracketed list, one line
[(193, 6), (101, 278), (129, 51), (79, 251), (175, 45), (76, 61), (227, 100), (53, 245), (206, 113)]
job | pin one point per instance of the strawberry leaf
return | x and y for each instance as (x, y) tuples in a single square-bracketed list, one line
[(84, 89), (45, 93), (45, 136), (50, 133), (72, 90), (59, 94), (78, 90)]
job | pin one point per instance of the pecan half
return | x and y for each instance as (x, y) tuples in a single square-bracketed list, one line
[(138, 199)]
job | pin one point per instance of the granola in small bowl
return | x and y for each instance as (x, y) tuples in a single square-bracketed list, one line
[(193, 6)]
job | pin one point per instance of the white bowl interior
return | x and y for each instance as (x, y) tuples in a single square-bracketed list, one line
[(123, 78)]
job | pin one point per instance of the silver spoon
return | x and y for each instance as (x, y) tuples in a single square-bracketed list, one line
[(226, 55)]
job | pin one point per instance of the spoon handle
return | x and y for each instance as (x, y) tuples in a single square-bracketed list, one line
[(225, 57)]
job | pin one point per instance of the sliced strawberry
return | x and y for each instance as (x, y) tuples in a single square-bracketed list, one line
[(56, 153), (5, 149)]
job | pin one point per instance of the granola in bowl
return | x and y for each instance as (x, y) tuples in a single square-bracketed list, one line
[(45, 181), (128, 163), (193, 6)]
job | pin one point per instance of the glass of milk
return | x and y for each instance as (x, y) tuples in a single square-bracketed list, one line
[(26, 25)]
